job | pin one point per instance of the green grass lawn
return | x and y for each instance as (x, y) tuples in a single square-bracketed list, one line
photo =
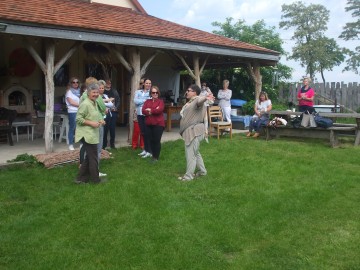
[(281, 204)]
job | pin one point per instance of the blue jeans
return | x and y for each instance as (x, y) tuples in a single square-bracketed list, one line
[(257, 123), (72, 126)]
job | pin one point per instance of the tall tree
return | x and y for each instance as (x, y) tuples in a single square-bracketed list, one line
[(310, 23), (328, 54), (258, 34), (352, 31)]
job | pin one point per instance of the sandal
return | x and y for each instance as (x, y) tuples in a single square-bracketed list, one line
[(199, 174), (183, 178)]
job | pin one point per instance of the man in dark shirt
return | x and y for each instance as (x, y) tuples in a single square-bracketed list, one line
[(111, 116)]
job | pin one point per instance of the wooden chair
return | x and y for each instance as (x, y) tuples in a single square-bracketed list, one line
[(217, 125), (6, 120)]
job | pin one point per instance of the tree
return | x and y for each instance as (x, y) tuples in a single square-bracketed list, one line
[(352, 31), (310, 23), (258, 34), (328, 55)]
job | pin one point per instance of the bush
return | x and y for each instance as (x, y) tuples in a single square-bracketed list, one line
[(24, 157), (248, 108)]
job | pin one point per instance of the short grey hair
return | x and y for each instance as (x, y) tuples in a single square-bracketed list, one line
[(92, 87), (102, 82)]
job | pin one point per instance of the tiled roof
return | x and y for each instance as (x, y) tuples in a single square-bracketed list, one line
[(79, 14)]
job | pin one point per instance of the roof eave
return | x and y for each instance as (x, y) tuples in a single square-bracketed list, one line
[(117, 38)]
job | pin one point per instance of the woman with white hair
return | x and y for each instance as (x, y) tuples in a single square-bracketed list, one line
[(224, 96), (88, 122)]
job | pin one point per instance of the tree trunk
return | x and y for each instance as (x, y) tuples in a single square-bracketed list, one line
[(50, 88), (254, 73), (134, 59), (197, 69)]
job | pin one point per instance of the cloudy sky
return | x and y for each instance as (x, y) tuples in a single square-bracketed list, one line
[(200, 14)]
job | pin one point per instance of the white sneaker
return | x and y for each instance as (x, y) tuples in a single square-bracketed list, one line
[(147, 155), (71, 147), (142, 153), (102, 174)]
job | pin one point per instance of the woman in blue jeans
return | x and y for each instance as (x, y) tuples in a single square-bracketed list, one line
[(261, 117), (72, 99)]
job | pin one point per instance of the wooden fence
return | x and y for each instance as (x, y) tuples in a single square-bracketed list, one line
[(345, 95)]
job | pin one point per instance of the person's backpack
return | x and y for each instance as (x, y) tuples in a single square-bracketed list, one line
[(323, 122)]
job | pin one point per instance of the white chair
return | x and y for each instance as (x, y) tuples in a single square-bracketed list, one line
[(56, 125), (64, 129)]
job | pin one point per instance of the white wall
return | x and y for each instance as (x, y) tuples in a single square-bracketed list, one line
[(165, 78), (120, 3)]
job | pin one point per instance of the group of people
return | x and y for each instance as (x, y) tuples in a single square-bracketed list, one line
[(94, 106), (112, 101), (150, 117)]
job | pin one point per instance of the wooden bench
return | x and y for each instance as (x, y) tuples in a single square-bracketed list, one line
[(332, 133)]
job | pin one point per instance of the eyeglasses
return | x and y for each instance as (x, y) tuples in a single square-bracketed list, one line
[(156, 93), (75, 81), (190, 90)]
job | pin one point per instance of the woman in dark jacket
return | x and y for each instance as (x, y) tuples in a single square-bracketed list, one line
[(153, 109)]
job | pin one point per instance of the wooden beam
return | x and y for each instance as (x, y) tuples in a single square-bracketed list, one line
[(146, 64), (122, 60), (35, 55), (66, 57), (204, 64), (191, 73)]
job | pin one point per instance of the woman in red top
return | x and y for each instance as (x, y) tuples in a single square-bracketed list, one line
[(153, 109), (306, 97)]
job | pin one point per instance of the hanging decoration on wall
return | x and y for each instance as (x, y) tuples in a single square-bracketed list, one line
[(21, 63)]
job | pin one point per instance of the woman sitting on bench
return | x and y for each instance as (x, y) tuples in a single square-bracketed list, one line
[(261, 117)]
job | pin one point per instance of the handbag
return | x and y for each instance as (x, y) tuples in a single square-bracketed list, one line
[(305, 121), (312, 121), (323, 121), (308, 120)]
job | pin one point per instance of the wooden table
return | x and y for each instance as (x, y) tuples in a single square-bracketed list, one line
[(26, 124), (169, 110), (337, 128)]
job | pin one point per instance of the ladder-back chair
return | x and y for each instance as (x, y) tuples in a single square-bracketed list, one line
[(217, 125)]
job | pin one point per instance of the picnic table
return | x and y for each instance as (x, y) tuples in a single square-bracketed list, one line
[(331, 133)]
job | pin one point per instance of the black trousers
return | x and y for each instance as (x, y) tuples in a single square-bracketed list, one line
[(154, 133), (89, 169), (142, 125), (306, 108), (110, 128)]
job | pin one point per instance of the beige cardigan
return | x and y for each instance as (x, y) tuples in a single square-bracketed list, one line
[(192, 119)]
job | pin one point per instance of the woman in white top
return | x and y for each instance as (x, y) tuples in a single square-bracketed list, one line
[(224, 95), (261, 117), (72, 99)]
